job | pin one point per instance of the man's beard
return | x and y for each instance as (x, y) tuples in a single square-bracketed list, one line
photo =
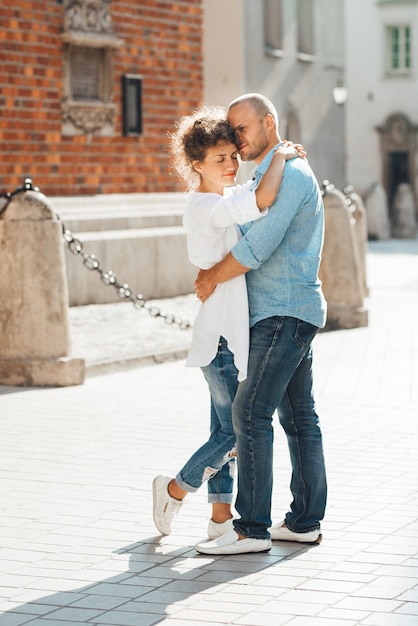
[(257, 148)]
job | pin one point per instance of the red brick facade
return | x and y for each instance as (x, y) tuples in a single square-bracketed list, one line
[(161, 41)]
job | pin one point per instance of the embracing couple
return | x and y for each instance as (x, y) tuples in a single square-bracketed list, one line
[(258, 247)]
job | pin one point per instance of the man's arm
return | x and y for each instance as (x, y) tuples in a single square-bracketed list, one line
[(207, 280)]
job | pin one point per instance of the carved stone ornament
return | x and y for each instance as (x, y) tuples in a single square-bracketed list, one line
[(88, 22), (398, 131), (87, 15), (88, 117)]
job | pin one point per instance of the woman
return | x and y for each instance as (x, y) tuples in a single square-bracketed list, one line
[(205, 156)]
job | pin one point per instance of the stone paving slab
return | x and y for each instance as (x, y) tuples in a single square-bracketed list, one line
[(78, 545), (114, 337)]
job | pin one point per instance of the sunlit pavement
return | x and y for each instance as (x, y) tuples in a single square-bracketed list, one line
[(78, 545)]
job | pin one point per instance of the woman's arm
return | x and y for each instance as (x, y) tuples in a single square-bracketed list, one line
[(269, 186)]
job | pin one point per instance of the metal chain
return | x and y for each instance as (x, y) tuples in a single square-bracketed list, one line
[(326, 186), (108, 278), (27, 186), (91, 263), (348, 190)]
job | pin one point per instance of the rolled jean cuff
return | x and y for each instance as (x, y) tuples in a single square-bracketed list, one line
[(180, 482), (223, 498)]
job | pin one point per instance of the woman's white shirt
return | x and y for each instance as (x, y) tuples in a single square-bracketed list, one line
[(210, 221)]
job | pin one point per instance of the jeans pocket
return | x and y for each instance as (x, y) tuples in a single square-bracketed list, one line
[(305, 333)]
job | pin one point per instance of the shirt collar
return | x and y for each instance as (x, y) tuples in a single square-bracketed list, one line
[(262, 167)]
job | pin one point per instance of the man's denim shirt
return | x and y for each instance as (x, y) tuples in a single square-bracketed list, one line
[(285, 249)]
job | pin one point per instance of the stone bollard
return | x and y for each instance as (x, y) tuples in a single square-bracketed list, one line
[(340, 266), (403, 222), (376, 204), (360, 230), (34, 325)]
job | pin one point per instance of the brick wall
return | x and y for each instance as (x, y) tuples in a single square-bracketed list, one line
[(162, 41)]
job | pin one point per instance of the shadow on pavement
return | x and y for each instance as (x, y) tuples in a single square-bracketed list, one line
[(162, 580)]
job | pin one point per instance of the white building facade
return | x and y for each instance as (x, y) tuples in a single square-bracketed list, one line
[(292, 51), (382, 108), (343, 75)]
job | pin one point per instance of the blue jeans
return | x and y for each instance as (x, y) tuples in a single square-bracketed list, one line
[(215, 460), (279, 377)]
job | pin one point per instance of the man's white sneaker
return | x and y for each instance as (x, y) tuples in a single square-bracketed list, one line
[(280, 532), (217, 529), (231, 544), (164, 508)]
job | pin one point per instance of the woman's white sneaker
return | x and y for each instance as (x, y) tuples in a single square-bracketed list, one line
[(230, 543), (217, 529), (164, 508)]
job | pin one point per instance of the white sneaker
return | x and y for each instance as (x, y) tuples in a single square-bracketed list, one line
[(231, 544), (164, 508), (217, 529), (280, 532)]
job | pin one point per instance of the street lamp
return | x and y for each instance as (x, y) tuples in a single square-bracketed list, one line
[(340, 93)]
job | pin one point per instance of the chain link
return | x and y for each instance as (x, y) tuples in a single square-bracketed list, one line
[(7, 197), (326, 186), (91, 263)]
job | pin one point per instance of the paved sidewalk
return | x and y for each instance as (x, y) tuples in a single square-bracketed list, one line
[(78, 545)]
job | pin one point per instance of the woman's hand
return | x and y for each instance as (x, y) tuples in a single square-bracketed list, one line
[(291, 150)]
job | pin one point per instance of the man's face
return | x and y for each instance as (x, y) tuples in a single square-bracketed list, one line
[(250, 132)]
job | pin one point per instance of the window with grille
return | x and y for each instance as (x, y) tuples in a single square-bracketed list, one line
[(85, 68), (398, 40)]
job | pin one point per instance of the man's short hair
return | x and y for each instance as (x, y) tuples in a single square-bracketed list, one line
[(262, 105)]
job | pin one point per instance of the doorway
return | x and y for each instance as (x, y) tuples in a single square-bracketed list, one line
[(398, 172), (398, 144)]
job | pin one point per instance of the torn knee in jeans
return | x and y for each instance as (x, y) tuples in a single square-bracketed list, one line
[(209, 473)]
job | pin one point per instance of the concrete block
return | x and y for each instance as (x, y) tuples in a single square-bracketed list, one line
[(403, 222), (36, 342), (378, 224), (359, 215), (61, 372), (340, 267)]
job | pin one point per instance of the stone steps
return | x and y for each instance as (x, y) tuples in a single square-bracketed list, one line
[(139, 237)]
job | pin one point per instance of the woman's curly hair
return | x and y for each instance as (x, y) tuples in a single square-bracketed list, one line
[(195, 133)]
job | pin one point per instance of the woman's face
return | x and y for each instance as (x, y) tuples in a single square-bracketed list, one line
[(219, 167)]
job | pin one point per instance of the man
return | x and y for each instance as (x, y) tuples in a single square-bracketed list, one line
[(287, 308)]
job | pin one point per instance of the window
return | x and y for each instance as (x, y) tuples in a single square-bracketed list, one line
[(132, 104), (305, 30), (398, 49), (85, 73), (273, 44), (89, 44)]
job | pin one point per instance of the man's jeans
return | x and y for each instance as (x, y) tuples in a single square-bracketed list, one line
[(215, 460), (279, 376)]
